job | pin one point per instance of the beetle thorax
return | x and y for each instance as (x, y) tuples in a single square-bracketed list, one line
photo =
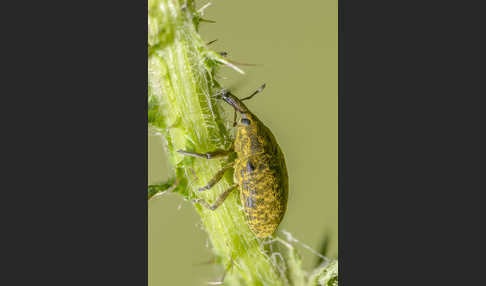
[(248, 140)]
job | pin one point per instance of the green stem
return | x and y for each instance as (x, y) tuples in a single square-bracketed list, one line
[(181, 81)]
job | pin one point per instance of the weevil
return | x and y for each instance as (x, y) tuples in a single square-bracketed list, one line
[(260, 172)]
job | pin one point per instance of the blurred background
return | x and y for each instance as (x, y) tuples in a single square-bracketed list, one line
[(295, 46)]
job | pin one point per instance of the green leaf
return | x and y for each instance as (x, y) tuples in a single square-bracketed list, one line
[(159, 188)]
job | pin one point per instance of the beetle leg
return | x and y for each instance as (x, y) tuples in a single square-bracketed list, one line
[(218, 201), (234, 120), (209, 155), (216, 178)]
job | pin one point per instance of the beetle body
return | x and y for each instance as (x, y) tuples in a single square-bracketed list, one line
[(260, 172)]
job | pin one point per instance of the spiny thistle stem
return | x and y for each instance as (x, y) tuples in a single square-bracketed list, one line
[(182, 108)]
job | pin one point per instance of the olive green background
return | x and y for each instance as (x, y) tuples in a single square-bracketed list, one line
[(295, 45)]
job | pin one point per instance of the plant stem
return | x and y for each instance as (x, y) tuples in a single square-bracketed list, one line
[(181, 81)]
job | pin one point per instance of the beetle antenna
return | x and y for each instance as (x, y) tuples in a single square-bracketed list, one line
[(255, 92)]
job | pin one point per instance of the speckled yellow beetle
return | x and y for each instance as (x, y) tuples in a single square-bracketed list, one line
[(259, 171)]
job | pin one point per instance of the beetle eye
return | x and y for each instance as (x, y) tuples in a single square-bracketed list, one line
[(245, 121)]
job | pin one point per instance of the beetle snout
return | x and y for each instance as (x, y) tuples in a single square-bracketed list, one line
[(222, 94)]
